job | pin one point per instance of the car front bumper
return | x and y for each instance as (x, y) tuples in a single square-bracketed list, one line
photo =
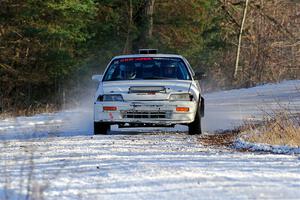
[(146, 112)]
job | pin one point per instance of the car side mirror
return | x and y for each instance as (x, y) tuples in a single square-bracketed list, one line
[(97, 78), (199, 75)]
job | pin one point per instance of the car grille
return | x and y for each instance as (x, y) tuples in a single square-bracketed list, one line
[(146, 114)]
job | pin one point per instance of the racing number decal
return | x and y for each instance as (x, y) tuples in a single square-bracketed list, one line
[(111, 117)]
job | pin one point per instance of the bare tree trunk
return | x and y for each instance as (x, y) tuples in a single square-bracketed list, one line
[(128, 45), (149, 15), (145, 23), (240, 40)]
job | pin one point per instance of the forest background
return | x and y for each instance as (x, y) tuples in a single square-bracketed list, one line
[(49, 49)]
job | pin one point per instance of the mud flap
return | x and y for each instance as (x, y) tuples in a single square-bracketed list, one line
[(202, 107)]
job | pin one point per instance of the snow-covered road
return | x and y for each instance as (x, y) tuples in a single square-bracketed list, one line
[(60, 157)]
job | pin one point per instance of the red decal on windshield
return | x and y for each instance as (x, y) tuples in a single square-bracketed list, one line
[(126, 60), (135, 59), (142, 59)]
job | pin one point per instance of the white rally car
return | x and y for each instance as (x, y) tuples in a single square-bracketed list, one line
[(148, 90)]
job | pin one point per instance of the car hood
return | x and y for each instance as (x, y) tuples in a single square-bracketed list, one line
[(123, 87)]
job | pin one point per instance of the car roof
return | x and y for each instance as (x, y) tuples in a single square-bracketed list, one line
[(149, 55)]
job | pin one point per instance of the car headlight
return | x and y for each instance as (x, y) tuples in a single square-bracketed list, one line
[(181, 97), (110, 97)]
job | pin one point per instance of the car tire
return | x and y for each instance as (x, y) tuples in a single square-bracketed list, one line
[(101, 128), (195, 126), (202, 107)]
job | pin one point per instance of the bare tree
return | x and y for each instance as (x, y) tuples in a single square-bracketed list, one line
[(240, 40), (149, 14), (128, 44)]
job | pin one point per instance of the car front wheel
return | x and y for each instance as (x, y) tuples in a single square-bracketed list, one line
[(195, 126), (101, 128)]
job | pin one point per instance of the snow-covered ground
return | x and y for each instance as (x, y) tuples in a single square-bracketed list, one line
[(228, 109), (60, 157)]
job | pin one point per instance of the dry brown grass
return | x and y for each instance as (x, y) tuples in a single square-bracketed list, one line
[(31, 110), (279, 129)]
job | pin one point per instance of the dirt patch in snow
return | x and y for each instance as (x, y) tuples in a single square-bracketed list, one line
[(220, 139)]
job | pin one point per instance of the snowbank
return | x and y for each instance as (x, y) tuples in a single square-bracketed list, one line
[(278, 149)]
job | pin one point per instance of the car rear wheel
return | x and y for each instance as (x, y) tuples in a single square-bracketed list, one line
[(101, 128), (195, 126)]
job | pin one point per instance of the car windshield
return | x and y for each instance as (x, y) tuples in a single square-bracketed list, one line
[(147, 69)]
